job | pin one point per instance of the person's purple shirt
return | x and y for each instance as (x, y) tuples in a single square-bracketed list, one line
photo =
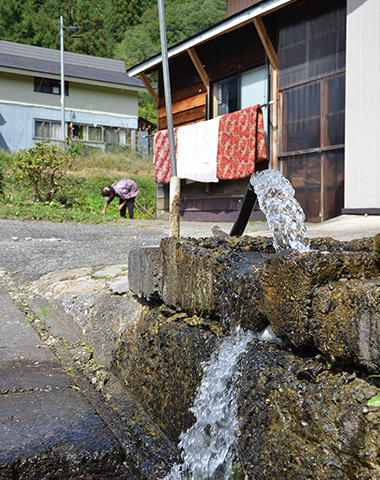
[(124, 189)]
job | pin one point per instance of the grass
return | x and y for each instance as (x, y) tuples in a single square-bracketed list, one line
[(79, 198)]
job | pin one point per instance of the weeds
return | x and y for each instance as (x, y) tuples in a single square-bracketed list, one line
[(77, 197)]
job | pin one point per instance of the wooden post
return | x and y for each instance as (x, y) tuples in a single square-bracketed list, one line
[(198, 65), (149, 87), (174, 193), (273, 59)]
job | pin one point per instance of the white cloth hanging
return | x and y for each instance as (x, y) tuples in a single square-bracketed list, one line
[(197, 151)]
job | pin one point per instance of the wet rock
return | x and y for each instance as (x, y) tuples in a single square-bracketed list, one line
[(242, 280), (159, 360), (188, 276), (195, 275), (345, 322), (300, 420), (294, 286)]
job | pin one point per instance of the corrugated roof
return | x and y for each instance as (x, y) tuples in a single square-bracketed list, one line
[(46, 60)]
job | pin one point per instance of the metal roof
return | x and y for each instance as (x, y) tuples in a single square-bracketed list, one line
[(226, 25), (45, 60)]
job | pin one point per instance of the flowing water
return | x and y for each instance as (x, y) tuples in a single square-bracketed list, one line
[(284, 214), (207, 446)]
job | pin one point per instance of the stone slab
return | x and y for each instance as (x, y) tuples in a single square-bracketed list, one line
[(143, 271), (52, 432)]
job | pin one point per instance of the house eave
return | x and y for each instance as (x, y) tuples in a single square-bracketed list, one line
[(86, 81), (227, 25)]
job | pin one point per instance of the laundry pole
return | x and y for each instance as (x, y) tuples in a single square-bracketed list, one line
[(175, 185)]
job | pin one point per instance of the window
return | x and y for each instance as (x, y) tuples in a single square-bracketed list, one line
[(101, 134), (111, 135), (312, 82), (49, 85), (228, 95), (79, 132), (47, 129), (241, 91), (95, 133)]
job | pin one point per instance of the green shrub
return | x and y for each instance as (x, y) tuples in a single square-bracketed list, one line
[(5, 161), (42, 167)]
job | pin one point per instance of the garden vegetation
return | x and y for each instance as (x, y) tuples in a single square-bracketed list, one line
[(50, 183)]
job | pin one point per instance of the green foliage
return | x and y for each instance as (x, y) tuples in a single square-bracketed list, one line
[(5, 160), (147, 108), (124, 29), (78, 195), (374, 401), (33, 22), (42, 166), (184, 18)]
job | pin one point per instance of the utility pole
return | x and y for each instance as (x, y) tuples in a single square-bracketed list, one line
[(175, 184), (62, 35), (63, 125)]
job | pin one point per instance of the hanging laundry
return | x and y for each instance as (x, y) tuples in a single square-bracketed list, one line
[(197, 150), (241, 143), (162, 156)]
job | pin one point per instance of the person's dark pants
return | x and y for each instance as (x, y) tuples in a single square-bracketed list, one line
[(130, 204)]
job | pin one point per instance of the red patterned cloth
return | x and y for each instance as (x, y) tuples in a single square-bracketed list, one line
[(162, 156), (241, 143)]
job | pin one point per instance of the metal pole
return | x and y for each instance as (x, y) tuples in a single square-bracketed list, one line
[(174, 194), (63, 132)]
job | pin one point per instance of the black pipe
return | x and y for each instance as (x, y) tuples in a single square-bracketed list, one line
[(246, 208)]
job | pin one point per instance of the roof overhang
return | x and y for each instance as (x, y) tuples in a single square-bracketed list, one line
[(225, 26), (69, 78)]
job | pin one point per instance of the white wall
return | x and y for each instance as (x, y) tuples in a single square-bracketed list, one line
[(362, 137)]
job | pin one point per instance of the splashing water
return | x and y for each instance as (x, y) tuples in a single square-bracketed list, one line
[(284, 214), (207, 446)]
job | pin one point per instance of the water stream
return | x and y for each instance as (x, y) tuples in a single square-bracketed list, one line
[(207, 446), (284, 214)]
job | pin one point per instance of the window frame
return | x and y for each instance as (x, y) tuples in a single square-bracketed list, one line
[(49, 123), (87, 126), (238, 75), (47, 85)]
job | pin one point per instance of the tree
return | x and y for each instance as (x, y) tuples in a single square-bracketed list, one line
[(89, 17), (124, 14), (16, 21), (183, 19)]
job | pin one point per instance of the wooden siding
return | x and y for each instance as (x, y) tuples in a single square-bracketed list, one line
[(362, 152), (222, 56), (235, 6)]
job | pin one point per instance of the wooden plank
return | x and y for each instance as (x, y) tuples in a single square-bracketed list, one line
[(266, 41), (184, 93), (182, 118), (275, 119), (198, 65), (185, 104), (149, 87)]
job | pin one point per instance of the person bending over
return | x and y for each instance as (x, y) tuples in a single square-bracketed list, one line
[(126, 190)]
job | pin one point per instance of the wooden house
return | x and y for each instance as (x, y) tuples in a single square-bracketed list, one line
[(314, 67)]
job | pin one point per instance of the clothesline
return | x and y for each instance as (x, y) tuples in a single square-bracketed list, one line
[(224, 148)]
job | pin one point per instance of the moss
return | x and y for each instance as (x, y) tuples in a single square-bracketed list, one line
[(376, 248)]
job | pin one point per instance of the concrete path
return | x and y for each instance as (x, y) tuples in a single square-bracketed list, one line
[(46, 425)]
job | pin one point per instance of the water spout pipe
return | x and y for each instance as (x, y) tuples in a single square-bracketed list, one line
[(246, 208)]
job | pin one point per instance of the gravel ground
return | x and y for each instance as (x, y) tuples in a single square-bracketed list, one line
[(29, 249)]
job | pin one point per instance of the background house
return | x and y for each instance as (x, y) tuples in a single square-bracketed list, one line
[(314, 67), (101, 102)]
